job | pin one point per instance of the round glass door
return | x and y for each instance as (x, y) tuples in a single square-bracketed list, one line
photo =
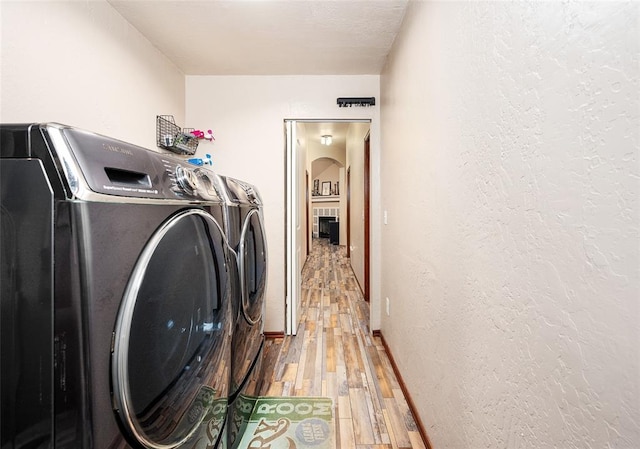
[(171, 337), (253, 266)]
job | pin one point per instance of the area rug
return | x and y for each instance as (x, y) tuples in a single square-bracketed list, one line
[(290, 423)]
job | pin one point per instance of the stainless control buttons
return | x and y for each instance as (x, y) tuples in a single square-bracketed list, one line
[(186, 179)]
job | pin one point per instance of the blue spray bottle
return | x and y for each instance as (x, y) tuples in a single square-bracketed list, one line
[(200, 162)]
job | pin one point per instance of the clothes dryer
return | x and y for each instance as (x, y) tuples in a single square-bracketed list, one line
[(116, 295), (247, 238)]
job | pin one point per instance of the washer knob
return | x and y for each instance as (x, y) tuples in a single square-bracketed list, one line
[(186, 179)]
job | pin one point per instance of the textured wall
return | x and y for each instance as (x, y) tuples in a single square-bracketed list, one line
[(82, 64), (510, 173)]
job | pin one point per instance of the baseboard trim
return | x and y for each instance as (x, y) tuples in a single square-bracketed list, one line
[(403, 387), (358, 282), (273, 335)]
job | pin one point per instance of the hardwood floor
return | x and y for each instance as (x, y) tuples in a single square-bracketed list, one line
[(335, 355)]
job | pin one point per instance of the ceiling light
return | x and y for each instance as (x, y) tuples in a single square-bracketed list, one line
[(326, 139)]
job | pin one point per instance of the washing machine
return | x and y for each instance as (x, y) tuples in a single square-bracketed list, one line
[(247, 239), (116, 312)]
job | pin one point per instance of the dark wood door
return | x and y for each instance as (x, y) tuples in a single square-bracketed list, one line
[(349, 212), (367, 203)]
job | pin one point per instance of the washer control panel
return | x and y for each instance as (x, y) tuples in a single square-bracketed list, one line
[(180, 180), (186, 182)]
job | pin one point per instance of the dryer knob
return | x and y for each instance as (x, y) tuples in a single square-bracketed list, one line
[(186, 179)]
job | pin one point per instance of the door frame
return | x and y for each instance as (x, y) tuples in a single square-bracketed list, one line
[(367, 218), (291, 213), (292, 218), (348, 212)]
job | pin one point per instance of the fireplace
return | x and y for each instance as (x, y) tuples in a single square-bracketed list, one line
[(323, 226), (328, 213)]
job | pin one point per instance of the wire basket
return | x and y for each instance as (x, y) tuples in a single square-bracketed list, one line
[(170, 137)]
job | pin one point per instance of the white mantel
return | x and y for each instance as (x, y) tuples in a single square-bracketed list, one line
[(325, 199)]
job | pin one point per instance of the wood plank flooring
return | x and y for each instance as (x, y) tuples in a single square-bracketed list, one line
[(335, 355)]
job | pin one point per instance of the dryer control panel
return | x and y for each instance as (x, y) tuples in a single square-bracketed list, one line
[(95, 163), (240, 192)]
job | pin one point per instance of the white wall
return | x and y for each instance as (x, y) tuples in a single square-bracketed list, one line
[(301, 153), (510, 173), (246, 114), (343, 211), (302, 149), (333, 151), (82, 64), (355, 161), (330, 173)]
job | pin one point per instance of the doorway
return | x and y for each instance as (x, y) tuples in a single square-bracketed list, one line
[(326, 177)]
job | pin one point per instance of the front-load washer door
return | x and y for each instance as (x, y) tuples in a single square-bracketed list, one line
[(171, 343), (253, 266)]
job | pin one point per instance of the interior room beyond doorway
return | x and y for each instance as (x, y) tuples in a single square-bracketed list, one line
[(327, 195)]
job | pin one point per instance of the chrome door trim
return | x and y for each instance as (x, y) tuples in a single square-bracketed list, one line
[(245, 294), (120, 350)]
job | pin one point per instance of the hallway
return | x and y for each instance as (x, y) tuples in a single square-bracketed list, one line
[(335, 355)]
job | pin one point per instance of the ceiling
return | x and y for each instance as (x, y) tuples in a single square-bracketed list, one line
[(267, 37)]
